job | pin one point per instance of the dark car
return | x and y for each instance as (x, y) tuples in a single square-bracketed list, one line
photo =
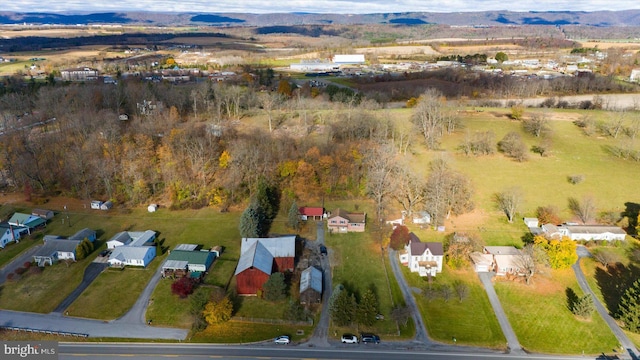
[(104, 253), (323, 250), (369, 338)]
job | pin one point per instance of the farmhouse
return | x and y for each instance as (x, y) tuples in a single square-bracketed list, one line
[(425, 258), (341, 221), (311, 286), (79, 74), (260, 257)]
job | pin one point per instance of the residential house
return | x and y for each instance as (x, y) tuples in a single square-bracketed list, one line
[(259, 258), (27, 222), (57, 247), (183, 261), (481, 262), (311, 213), (425, 258), (9, 233), (133, 248), (132, 256), (505, 259), (54, 250), (311, 286), (341, 221), (42, 213)]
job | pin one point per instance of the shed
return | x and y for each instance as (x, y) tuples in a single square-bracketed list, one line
[(42, 213), (216, 250), (311, 286), (106, 205), (152, 208), (531, 222)]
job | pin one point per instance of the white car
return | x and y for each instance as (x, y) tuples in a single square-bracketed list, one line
[(349, 339), (284, 340)]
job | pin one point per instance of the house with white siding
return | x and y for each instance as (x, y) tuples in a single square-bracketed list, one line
[(425, 258)]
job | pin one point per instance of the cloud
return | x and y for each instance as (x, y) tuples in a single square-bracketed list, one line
[(318, 6)]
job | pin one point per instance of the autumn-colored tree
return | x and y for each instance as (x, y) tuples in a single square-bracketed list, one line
[(218, 310), (562, 253), (183, 287), (548, 215), (284, 88), (399, 237)]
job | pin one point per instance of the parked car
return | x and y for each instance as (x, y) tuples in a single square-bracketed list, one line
[(104, 253), (323, 250), (282, 339), (370, 338), (349, 339)]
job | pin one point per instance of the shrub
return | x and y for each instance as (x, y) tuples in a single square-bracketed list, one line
[(11, 276), (36, 270), (27, 264), (20, 270), (575, 179), (182, 287)]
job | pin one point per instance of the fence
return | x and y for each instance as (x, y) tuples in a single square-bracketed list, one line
[(273, 321)]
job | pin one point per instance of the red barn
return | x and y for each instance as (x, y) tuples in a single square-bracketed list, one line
[(254, 268), (260, 257)]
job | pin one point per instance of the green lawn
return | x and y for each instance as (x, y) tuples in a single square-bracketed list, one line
[(471, 321), (546, 325), (237, 332)]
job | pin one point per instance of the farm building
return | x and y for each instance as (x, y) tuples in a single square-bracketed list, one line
[(283, 250), (181, 262), (353, 59), (311, 286), (582, 232), (311, 213), (42, 213), (254, 268)]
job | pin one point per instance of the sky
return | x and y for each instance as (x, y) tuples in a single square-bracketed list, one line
[(315, 6)]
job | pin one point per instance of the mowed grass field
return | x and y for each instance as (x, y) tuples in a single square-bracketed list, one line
[(539, 315)]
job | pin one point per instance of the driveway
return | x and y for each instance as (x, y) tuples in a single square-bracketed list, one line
[(421, 331), (512, 341), (136, 315), (90, 273), (25, 256), (319, 337), (604, 313)]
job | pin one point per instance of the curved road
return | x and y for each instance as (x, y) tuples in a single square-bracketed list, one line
[(582, 281)]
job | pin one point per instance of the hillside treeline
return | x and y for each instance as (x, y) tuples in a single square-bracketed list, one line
[(194, 150)]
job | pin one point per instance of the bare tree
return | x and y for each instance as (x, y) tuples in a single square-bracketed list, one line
[(269, 102), (447, 192), (525, 262), (605, 257), (462, 290), (509, 201), (381, 167), (584, 209), (433, 117), (409, 189), (537, 125)]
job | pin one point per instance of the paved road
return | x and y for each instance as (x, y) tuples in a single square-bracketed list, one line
[(319, 337), (582, 281), (92, 328), (421, 331), (90, 273), (507, 330)]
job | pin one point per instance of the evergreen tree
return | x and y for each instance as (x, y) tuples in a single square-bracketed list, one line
[(252, 222), (630, 308), (343, 308), (83, 249), (275, 288), (268, 198), (293, 218), (583, 307), (367, 309)]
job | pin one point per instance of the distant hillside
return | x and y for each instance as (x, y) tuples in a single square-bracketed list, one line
[(485, 18)]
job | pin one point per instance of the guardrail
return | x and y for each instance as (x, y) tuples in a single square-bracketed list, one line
[(50, 332)]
